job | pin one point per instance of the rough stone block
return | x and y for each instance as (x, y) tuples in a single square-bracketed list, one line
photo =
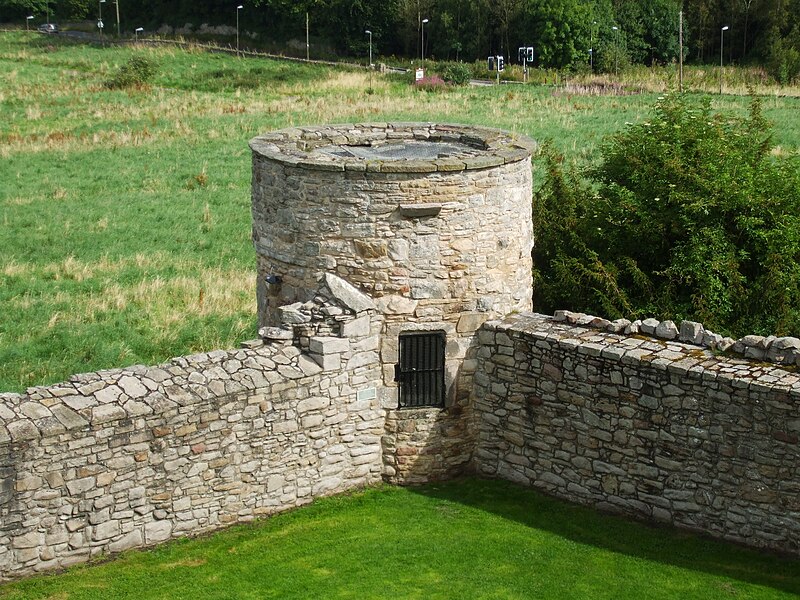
[(132, 539), (157, 531), (328, 345), (666, 330), (359, 327), (310, 404), (691, 332), (105, 531), (648, 326)]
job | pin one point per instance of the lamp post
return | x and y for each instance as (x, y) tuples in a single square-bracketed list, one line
[(422, 40), (28, 22), (136, 33), (369, 33), (721, 43), (238, 8), (616, 51), (100, 16), (116, 5), (47, 8), (308, 46), (591, 47)]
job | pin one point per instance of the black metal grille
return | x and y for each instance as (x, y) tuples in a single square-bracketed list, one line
[(420, 371)]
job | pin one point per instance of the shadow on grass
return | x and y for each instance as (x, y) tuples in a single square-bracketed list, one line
[(586, 526)]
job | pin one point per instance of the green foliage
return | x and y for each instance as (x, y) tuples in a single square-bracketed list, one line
[(566, 271), (783, 60), (561, 30), (455, 73), (693, 218), (137, 72), (611, 55)]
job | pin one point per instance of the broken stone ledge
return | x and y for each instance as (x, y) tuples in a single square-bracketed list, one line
[(773, 349)]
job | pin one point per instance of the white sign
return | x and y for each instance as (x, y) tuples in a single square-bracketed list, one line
[(420, 74)]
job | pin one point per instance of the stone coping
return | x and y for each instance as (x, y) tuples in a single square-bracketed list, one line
[(104, 397), (674, 357), (468, 147)]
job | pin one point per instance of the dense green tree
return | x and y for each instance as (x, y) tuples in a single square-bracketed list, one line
[(58, 9), (561, 31), (693, 218)]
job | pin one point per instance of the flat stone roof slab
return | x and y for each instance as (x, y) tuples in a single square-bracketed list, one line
[(393, 147)]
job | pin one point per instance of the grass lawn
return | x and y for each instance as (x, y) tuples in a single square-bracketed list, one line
[(467, 539), (125, 215)]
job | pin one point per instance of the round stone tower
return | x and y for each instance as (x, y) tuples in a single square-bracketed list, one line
[(432, 221)]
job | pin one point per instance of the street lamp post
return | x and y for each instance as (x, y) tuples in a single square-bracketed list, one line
[(369, 33), (721, 43), (238, 8), (308, 45), (100, 16), (616, 51), (28, 22), (136, 33), (422, 40), (116, 5)]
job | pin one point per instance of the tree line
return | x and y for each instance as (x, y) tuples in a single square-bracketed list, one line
[(563, 32)]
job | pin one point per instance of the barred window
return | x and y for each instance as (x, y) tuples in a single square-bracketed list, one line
[(420, 371)]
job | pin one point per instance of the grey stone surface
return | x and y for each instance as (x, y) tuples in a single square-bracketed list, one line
[(654, 429), (435, 244)]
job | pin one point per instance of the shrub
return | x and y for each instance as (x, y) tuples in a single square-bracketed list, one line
[(692, 218), (430, 83), (783, 61), (137, 72), (455, 73)]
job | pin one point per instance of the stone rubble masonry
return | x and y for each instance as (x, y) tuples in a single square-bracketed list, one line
[(652, 428), (780, 350), (439, 241), (357, 245), (426, 444), (132, 457)]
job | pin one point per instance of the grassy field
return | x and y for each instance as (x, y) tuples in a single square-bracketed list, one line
[(125, 214), (468, 539)]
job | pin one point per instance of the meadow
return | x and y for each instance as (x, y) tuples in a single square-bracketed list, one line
[(125, 214), (463, 539)]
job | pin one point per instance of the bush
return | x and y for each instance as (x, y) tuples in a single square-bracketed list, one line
[(430, 83), (455, 73), (783, 61), (137, 72), (692, 218)]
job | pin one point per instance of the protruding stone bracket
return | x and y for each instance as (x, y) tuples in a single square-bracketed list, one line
[(417, 211)]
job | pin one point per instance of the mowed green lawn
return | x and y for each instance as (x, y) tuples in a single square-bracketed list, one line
[(125, 215), (459, 540)]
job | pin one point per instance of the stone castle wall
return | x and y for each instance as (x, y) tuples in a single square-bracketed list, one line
[(357, 244), (646, 427), (132, 457), (127, 458)]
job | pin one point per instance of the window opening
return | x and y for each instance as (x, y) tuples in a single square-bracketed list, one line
[(420, 371)]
